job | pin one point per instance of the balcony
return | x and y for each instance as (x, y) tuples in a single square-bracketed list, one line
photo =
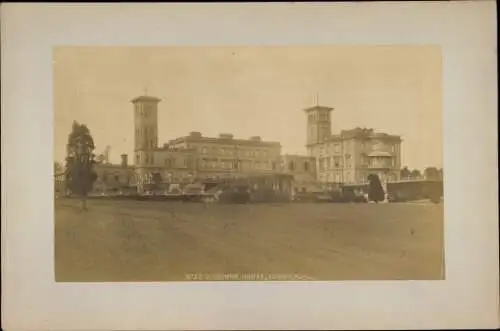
[(380, 160)]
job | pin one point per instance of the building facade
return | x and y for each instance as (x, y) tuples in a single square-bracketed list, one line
[(114, 177), (344, 158), (349, 157), (195, 156)]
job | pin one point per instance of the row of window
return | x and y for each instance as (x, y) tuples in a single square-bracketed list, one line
[(218, 165), (323, 131), (348, 177), (323, 116), (234, 151), (337, 148), (334, 177), (186, 163), (105, 177), (381, 163), (237, 164), (298, 166), (148, 159), (191, 163), (147, 131), (336, 162), (144, 110), (149, 143)]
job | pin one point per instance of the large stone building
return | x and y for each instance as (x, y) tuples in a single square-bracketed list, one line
[(349, 157), (195, 156)]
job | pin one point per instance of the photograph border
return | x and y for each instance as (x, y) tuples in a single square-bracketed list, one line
[(468, 298)]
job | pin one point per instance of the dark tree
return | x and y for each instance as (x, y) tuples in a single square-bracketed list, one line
[(405, 173), (80, 175), (431, 173), (375, 190)]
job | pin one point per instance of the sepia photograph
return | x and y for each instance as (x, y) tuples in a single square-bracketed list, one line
[(248, 163), (249, 166)]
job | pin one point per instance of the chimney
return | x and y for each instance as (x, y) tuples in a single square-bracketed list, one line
[(124, 160)]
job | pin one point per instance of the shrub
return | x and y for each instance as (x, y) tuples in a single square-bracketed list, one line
[(375, 191)]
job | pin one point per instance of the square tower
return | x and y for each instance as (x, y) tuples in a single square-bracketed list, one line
[(319, 124), (146, 127)]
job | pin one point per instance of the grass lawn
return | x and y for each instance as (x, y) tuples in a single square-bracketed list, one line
[(162, 241)]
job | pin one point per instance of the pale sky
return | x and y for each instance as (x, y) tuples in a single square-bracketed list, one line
[(252, 91)]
